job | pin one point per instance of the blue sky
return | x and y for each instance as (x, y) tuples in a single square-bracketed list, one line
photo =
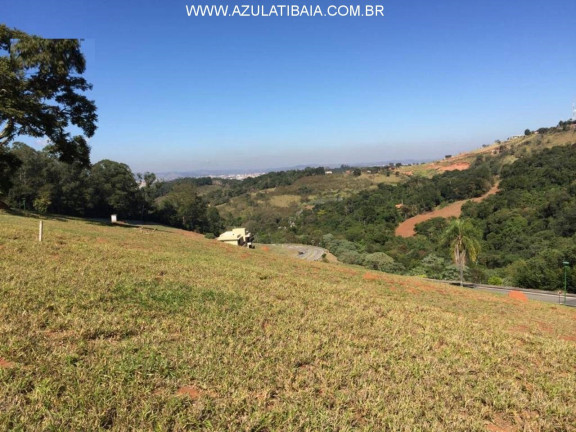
[(179, 93)]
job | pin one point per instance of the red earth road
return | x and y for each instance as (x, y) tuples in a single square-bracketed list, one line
[(406, 228)]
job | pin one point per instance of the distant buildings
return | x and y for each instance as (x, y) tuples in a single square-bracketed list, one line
[(236, 176)]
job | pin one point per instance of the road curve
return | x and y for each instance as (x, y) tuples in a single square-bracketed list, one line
[(305, 252), (407, 228)]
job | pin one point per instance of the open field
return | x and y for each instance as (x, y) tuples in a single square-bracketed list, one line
[(110, 327)]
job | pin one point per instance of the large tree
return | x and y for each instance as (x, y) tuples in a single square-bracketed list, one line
[(114, 190), (42, 94)]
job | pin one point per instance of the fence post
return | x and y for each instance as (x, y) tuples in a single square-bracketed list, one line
[(40, 231)]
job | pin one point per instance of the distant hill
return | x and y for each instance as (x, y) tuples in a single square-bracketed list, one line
[(561, 135)]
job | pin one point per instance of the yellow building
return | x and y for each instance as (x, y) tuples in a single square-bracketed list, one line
[(238, 237)]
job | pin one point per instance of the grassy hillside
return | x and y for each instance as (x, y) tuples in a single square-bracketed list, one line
[(285, 201), (520, 146), (126, 329)]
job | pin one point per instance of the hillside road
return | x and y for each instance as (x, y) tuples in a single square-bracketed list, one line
[(545, 296)]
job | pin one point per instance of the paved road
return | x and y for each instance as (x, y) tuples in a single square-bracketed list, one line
[(545, 296), (305, 252)]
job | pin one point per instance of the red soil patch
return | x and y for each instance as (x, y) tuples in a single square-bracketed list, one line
[(407, 228), (518, 295), (5, 363), (462, 166), (190, 391), (372, 276), (568, 338), (265, 248)]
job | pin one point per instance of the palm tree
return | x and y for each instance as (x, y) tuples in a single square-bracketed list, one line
[(463, 241)]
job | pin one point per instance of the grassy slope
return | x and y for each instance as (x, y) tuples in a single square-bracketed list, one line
[(287, 200), (111, 327), (529, 144)]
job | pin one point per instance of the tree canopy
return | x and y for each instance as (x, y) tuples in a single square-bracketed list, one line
[(42, 93)]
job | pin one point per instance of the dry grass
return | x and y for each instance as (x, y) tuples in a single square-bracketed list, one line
[(115, 328), (284, 200), (529, 144)]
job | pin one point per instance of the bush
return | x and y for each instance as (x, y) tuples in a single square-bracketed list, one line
[(351, 257), (495, 280), (382, 262)]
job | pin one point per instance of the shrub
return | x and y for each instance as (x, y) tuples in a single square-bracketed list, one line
[(495, 280), (351, 257)]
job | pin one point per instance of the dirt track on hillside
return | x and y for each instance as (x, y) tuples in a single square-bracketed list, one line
[(406, 228)]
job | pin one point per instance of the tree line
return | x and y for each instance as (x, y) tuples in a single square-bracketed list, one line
[(44, 184)]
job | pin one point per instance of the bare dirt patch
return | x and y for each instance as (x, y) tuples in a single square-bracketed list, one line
[(407, 228), (5, 364), (462, 166), (190, 391), (518, 295)]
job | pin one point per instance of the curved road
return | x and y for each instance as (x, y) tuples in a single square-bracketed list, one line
[(305, 252)]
